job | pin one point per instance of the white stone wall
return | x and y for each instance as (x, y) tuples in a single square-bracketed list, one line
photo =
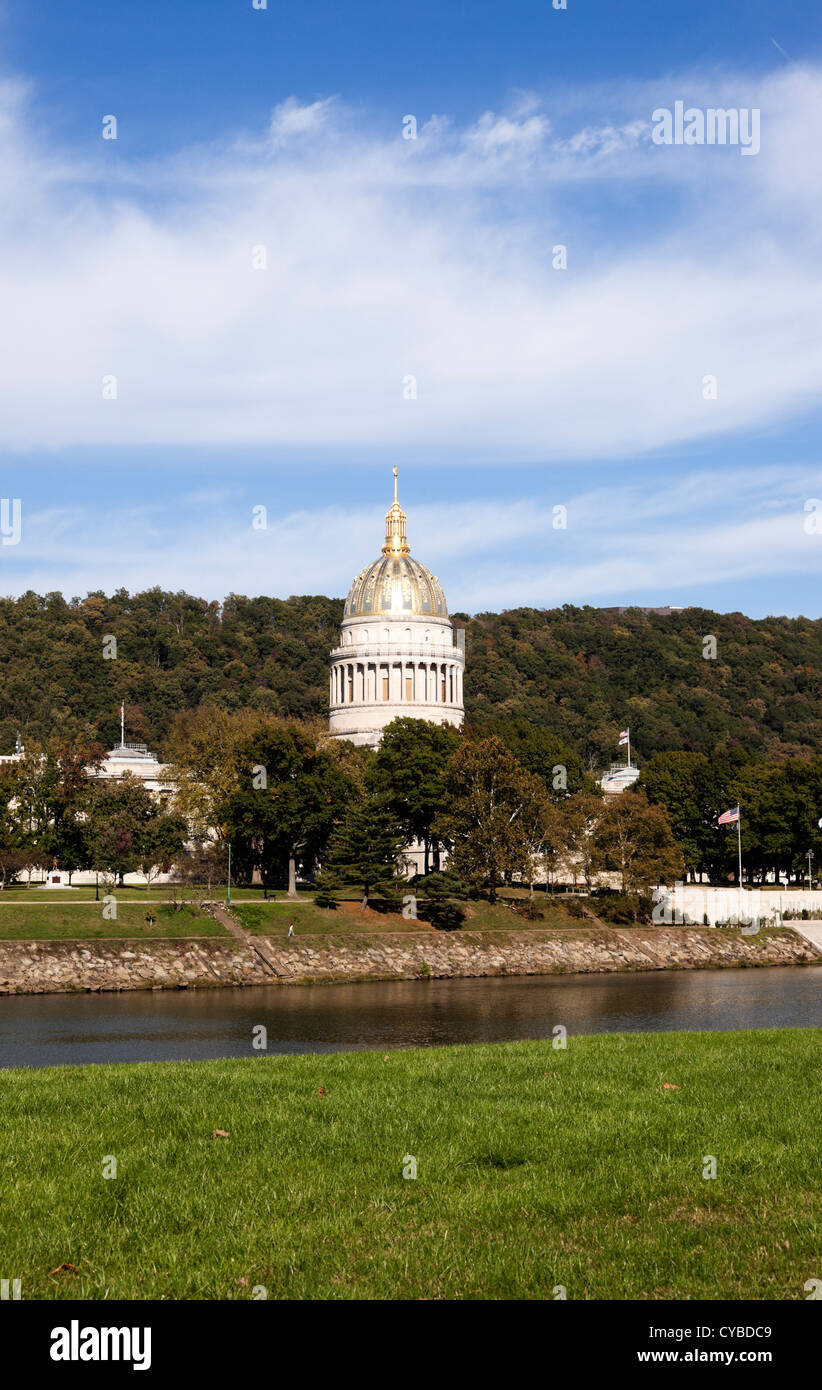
[(695, 901)]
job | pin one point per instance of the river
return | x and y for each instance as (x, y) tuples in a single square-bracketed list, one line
[(169, 1025)]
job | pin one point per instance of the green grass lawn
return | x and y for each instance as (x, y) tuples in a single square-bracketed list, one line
[(85, 892), (84, 921), (536, 1168)]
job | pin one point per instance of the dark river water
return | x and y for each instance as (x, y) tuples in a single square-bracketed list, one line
[(48, 1030)]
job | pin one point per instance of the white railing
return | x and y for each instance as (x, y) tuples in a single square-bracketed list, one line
[(392, 653)]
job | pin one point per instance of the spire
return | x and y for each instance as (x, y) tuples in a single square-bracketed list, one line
[(395, 519)]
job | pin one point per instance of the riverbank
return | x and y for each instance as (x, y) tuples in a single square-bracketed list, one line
[(60, 966), (538, 1170)]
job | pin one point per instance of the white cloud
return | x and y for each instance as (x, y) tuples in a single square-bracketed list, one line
[(650, 539), (432, 258), (292, 118), (493, 133)]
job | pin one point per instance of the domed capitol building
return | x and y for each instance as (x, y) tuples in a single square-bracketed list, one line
[(399, 653)]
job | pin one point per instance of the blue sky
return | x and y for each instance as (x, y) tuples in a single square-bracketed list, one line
[(244, 134)]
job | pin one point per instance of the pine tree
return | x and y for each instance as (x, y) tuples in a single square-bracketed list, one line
[(368, 848)]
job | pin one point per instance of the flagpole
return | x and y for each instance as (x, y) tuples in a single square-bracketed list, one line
[(629, 747), (739, 841)]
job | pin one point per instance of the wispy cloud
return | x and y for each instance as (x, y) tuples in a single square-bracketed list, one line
[(389, 259), (620, 541)]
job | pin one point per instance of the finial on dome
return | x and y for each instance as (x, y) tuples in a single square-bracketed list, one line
[(395, 519)]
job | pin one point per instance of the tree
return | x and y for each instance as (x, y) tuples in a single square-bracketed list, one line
[(672, 780), (634, 839), (292, 792), (161, 843), (572, 834), (12, 862), (46, 794), (496, 815), (13, 855), (272, 787), (540, 751), (367, 848), (203, 863), (409, 773), (126, 829)]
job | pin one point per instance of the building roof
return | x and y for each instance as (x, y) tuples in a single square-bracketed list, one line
[(395, 585)]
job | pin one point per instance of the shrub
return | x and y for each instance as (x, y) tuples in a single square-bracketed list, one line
[(532, 911), (324, 895), (624, 909), (574, 907), (445, 916), (440, 884)]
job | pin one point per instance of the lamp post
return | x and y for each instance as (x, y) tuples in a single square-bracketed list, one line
[(227, 845), (809, 857)]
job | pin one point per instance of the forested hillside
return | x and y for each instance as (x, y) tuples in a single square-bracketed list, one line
[(582, 672)]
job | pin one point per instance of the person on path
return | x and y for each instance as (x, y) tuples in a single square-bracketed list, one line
[(291, 930)]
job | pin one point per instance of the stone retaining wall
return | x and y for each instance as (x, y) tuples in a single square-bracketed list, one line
[(52, 967)]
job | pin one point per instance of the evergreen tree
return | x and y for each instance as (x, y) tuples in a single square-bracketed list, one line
[(367, 849)]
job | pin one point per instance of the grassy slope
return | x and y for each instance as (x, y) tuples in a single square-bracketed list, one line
[(536, 1167), (85, 921), (267, 919)]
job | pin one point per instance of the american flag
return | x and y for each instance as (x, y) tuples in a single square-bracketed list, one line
[(624, 736), (729, 817)]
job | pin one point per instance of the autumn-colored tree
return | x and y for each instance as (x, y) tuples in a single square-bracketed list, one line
[(573, 832), (495, 817), (126, 829), (273, 787), (634, 839)]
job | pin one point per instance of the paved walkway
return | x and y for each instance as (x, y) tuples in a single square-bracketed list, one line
[(812, 931)]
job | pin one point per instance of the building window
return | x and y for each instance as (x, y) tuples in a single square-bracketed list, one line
[(409, 687), (385, 687), (442, 687)]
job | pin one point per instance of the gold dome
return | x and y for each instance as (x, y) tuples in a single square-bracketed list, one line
[(395, 585)]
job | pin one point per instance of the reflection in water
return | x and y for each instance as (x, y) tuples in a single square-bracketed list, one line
[(46, 1030)]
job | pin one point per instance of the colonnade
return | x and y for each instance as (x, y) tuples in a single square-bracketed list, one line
[(415, 682)]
